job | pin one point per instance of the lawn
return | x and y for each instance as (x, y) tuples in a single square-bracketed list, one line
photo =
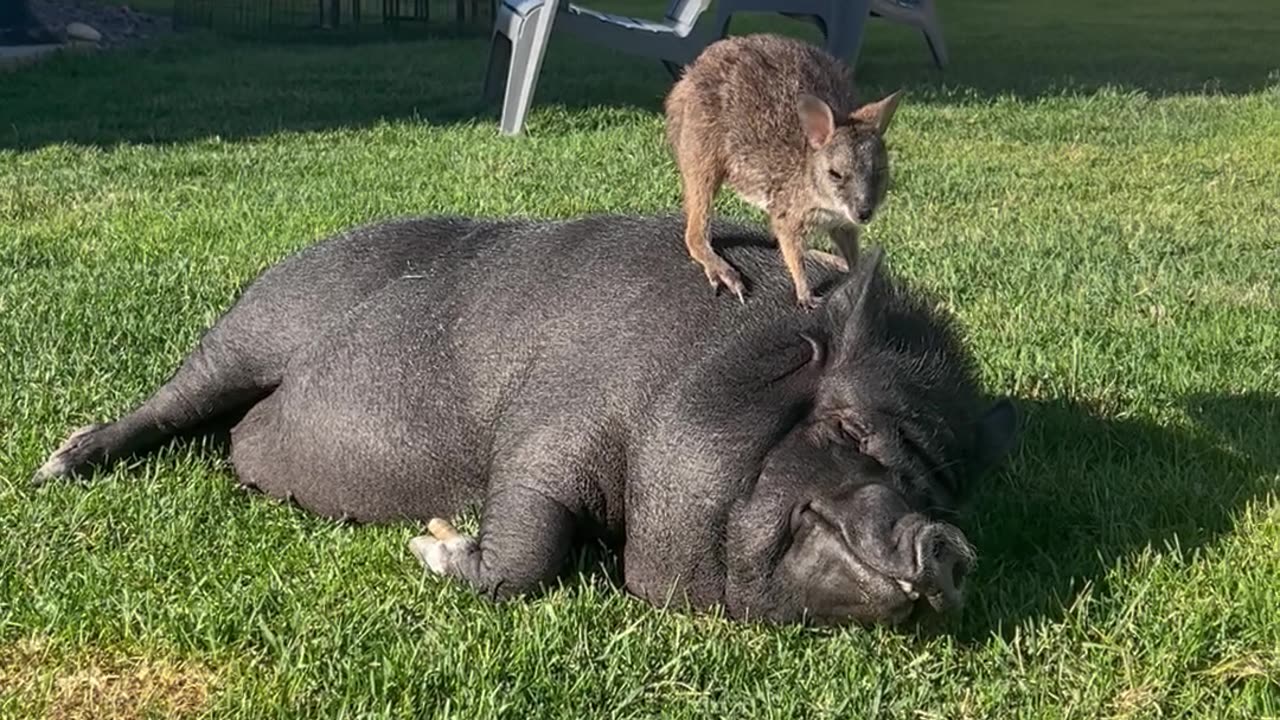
[(1093, 187)]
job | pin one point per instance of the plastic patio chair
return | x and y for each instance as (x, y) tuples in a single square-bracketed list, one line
[(840, 21), (921, 14), (522, 28)]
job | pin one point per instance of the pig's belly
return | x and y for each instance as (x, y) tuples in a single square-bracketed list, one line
[(353, 462), (387, 416)]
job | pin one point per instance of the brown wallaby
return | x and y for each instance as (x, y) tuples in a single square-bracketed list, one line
[(776, 119)]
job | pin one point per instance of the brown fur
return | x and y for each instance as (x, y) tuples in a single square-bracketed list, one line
[(776, 120)]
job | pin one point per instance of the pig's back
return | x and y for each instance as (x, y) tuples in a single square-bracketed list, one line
[(500, 345)]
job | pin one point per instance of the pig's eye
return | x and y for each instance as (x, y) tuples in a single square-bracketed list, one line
[(854, 432)]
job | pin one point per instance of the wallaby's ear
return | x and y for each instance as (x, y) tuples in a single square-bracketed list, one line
[(850, 299), (996, 433), (816, 119), (879, 113)]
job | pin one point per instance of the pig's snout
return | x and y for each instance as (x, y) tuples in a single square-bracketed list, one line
[(943, 558)]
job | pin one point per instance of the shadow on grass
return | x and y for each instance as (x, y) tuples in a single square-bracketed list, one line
[(204, 87), (1086, 492), (1082, 494), (197, 86)]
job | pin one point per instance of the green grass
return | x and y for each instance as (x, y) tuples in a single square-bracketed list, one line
[(1094, 190)]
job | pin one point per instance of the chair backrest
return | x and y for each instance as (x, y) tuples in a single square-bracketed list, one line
[(684, 14)]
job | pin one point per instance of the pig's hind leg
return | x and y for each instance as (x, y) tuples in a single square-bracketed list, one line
[(218, 379)]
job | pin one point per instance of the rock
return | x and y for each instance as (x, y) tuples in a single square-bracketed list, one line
[(81, 31)]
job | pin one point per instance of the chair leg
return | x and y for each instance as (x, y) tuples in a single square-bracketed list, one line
[(845, 28), (924, 17), (499, 62), (527, 50), (723, 30), (932, 28), (938, 48)]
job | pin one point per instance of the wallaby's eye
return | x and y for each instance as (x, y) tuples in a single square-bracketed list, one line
[(835, 175)]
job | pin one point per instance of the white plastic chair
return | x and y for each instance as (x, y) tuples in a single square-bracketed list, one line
[(921, 14), (522, 28)]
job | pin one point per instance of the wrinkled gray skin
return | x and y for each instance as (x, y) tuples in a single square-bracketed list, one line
[(578, 380)]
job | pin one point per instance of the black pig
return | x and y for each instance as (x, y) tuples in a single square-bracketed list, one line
[(577, 379)]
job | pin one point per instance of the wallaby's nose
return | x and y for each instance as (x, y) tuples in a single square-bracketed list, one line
[(864, 216)]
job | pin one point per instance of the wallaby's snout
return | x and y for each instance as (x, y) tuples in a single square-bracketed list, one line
[(848, 175), (869, 157)]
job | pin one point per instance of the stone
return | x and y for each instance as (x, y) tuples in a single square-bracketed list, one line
[(14, 56), (81, 31)]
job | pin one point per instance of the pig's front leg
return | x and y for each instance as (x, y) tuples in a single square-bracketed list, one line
[(523, 541)]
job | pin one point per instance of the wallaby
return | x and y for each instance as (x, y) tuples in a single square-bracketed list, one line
[(776, 119)]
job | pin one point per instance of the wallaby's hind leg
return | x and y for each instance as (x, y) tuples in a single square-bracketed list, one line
[(701, 175), (701, 179), (209, 384)]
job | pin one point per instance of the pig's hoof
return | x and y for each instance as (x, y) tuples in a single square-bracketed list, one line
[(440, 550), (430, 552), (720, 273), (76, 452), (441, 529)]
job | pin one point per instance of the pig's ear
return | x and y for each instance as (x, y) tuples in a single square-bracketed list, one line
[(852, 298), (804, 516), (817, 511), (996, 434)]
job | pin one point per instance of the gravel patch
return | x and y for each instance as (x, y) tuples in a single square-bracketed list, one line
[(118, 25)]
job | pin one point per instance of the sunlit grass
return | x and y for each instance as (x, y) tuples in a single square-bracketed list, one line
[(1095, 193)]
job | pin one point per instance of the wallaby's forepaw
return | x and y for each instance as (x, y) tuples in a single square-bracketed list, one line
[(807, 301), (439, 550), (832, 259), (75, 454), (720, 273)]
